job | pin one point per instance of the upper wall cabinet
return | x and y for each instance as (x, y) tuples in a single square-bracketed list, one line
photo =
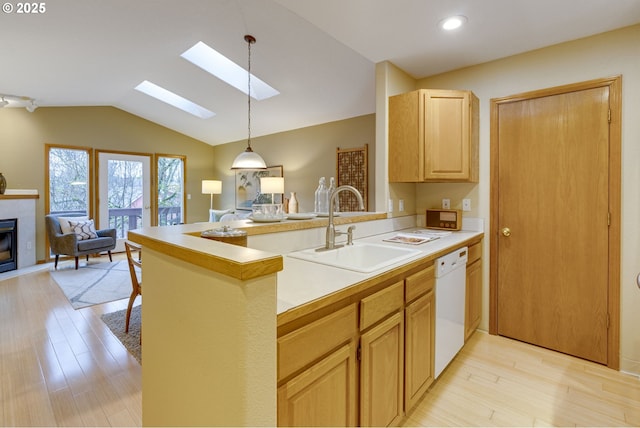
[(433, 136)]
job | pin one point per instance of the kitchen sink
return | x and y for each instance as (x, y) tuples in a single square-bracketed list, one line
[(359, 257)]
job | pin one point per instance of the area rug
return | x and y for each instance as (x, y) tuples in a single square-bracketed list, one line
[(131, 340), (93, 284)]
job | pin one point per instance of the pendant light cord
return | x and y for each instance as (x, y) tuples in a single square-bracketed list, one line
[(250, 40)]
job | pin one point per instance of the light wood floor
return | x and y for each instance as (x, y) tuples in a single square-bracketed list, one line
[(495, 381), (63, 367), (60, 366)]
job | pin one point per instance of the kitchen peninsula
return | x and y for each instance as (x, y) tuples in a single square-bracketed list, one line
[(213, 312)]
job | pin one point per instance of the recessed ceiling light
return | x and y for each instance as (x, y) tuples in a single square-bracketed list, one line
[(452, 22), (174, 100), (226, 70)]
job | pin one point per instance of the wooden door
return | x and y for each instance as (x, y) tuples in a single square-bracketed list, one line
[(551, 198), (447, 135), (322, 395), (473, 298), (382, 373), (419, 347)]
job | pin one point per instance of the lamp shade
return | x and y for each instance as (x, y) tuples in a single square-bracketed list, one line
[(249, 160), (212, 187), (271, 185)]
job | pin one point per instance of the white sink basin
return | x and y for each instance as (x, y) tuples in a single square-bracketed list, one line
[(360, 257)]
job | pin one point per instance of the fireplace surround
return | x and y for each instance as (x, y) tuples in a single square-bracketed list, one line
[(21, 204)]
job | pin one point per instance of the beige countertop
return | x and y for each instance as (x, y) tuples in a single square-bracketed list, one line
[(300, 283), (184, 242), (303, 282)]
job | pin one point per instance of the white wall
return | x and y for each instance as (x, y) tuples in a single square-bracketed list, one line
[(608, 54)]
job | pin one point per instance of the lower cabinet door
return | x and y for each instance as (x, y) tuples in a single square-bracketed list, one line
[(382, 373), (473, 298), (420, 338), (322, 395)]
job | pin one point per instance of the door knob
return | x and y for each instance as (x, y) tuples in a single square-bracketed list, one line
[(506, 231)]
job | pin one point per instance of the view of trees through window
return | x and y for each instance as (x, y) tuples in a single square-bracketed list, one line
[(124, 197), (68, 180), (170, 190)]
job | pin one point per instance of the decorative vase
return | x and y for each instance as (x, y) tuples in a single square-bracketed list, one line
[(3, 184), (293, 203)]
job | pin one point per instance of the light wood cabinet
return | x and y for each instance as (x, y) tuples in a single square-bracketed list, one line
[(434, 136), (322, 395), (419, 335), (322, 357), (473, 295), (367, 358), (382, 372)]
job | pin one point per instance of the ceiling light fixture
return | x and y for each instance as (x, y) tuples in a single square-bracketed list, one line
[(249, 159), (18, 101), (31, 107), (452, 22)]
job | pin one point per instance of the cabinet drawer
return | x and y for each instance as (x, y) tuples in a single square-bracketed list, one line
[(475, 252), (305, 345), (377, 306), (419, 283)]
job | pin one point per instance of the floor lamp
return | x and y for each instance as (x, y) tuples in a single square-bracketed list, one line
[(211, 187)]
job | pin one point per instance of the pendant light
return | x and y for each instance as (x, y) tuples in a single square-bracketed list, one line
[(249, 159)]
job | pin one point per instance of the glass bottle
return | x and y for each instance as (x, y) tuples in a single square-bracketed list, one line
[(320, 197)]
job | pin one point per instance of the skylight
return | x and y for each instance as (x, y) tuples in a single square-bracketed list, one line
[(174, 100), (226, 70)]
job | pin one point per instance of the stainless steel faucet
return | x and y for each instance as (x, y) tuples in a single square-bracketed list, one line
[(331, 230)]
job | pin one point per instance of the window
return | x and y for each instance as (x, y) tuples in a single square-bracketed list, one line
[(171, 179), (69, 179)]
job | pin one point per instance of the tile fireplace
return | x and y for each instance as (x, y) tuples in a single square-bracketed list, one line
[(8, 244), (19, 206)]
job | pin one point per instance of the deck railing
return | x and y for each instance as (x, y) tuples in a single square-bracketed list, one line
[(124, 219)]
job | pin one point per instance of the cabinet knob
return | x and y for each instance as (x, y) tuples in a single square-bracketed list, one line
[(506, 231)]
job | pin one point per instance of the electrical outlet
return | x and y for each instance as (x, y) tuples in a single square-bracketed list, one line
[(401, 205), (466, 205), (188, 195), (446, 204), (390, 205)]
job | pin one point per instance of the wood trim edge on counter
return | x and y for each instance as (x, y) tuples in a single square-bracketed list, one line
[(184, 243), (253, 267)]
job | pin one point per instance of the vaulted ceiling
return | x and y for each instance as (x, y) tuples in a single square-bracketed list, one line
[(320, 54)]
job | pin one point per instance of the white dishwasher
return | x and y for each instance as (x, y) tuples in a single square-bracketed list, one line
[(451, 278)]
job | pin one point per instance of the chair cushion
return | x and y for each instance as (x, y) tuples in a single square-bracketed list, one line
[(84, 229), (215, 215), (95, 244), (64, 222)]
